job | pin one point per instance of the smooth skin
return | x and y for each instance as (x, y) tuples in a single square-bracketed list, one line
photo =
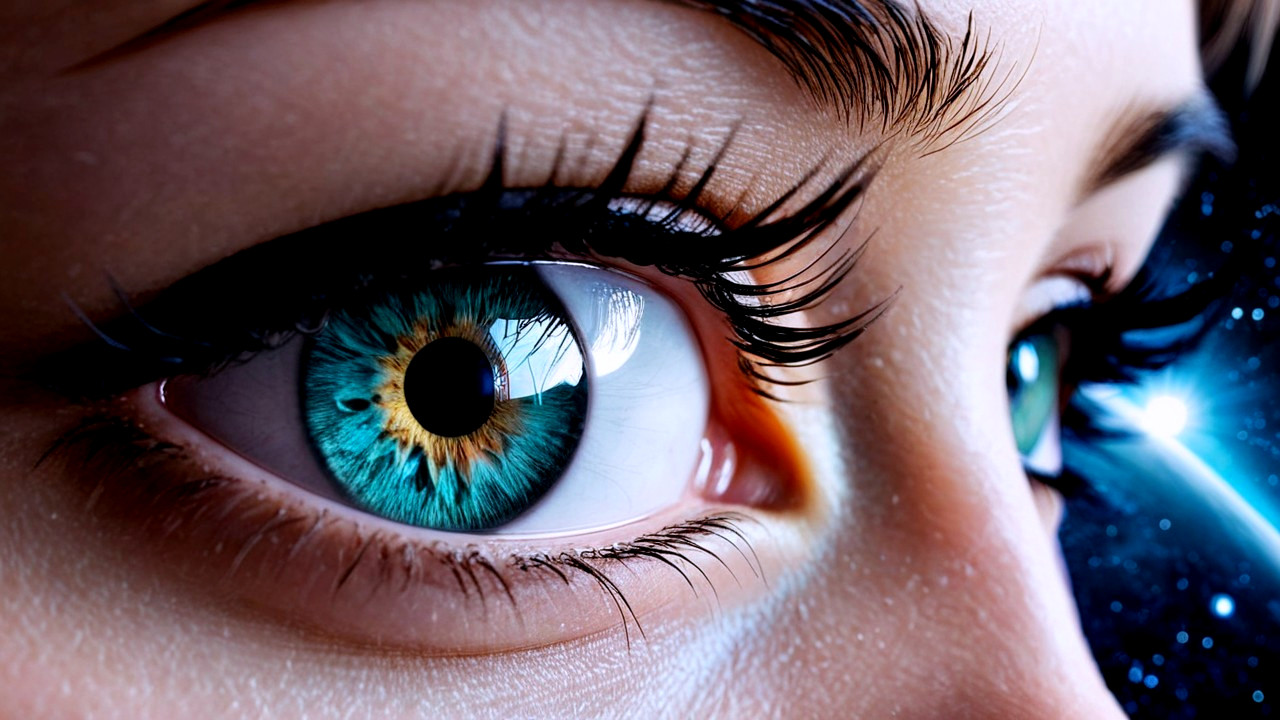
[(920, 578)]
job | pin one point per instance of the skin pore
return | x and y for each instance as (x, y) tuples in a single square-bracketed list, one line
[(917, 575)]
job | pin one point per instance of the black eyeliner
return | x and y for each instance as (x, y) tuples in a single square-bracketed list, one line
[(264, 295), (1139, 330)]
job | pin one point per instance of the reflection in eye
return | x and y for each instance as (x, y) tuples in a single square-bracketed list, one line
[(649, 447), (453, 407), (1117, 340), (460, 404), (1031, 377)]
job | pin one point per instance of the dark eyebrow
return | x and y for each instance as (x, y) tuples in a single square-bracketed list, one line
[(1191, 128), (868, 60), (876, 60)]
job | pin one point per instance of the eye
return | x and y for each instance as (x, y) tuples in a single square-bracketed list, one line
[(551, 399), (1033, 380), (523, 398)]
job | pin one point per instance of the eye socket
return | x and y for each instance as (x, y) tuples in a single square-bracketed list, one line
[(655, 497), (1033, 380), (532, 398)]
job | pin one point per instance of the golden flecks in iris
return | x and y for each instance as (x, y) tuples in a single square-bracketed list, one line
[(459, 452)]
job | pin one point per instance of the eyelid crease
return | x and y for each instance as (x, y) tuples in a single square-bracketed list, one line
[(274, 290)]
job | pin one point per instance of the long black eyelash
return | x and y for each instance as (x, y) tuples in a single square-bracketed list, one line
[(115, 450), (754, 310), (1141, 329), (261, 297), (1121, 340), (1125, 338)]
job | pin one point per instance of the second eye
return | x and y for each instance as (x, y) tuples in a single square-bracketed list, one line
[(527, 398), (1033, 380)]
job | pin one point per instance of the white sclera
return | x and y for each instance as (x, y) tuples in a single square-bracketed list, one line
[(646, 417), (647, 413)]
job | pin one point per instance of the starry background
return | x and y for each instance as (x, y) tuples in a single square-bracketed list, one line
[(1181, 605)]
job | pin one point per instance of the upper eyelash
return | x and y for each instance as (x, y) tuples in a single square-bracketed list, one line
[(1107, 347), (143, 345), (1107, 337)]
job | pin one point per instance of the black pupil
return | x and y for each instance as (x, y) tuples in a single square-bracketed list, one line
[(449, 387)]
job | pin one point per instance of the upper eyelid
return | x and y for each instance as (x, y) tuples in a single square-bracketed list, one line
[(1057, 292), (304, 255)]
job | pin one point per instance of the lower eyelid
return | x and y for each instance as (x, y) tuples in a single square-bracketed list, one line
[(232, 536), (235, 540)]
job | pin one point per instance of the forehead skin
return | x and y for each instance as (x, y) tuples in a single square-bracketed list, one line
[(924, 585)]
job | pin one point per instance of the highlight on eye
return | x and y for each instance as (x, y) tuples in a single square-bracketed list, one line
[(507, 398), (555, 320), (453, 407), (1031, 377)]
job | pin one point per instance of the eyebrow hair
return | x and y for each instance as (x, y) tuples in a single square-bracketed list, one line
[(1191, 128), (876, 60), (871, 61)]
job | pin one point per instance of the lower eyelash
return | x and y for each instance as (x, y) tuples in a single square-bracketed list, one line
[(149, 478)]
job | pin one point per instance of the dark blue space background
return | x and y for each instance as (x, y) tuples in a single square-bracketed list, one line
[(1179, 590)]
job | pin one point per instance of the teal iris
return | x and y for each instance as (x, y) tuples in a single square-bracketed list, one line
[(453, 407), (1031, 376)]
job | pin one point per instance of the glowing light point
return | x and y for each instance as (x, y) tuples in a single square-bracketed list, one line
[(1165, 416), (1222, 605)]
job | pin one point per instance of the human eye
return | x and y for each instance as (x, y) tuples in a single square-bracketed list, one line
[(1095, 339), (459, 404), (1033, 381), (512, 413)]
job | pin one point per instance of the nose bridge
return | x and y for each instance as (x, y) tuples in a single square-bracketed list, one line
[(953, 529), (1017, 650)]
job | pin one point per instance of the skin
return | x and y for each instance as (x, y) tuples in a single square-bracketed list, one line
[(916, 576)]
